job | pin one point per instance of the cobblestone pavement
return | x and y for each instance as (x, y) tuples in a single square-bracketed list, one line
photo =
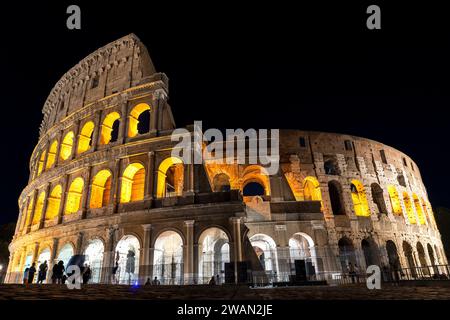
[(110, 292)]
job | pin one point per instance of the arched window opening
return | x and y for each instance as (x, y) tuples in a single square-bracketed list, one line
[(221, 183), (54, 202), (347, 254), (135, 120), (65, 254), (253, 188), (401, 180), (44, 257), (411, 264), (38, 209), (74, 196), (265, 249), (144, 122), (133, 183), (337, 203), (170, 178), (395, 201), (127, 260), (378, 198), (85, 138), (101, 189), (311, 189), (110, 128), (330, 166), (41, 162), (394, 259), (94, 259), (370, 250), (168, 258), (66, 146), (214, 252), (419, 210), (51, 157), (423, 261), (29, 211), (301, 249), (409, 208), (359, 199)]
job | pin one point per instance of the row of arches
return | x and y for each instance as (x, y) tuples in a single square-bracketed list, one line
[(138, 123)]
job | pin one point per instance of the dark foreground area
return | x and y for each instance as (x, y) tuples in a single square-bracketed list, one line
[(115, 292)]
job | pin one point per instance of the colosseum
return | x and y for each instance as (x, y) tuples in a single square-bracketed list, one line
[(104, 184)]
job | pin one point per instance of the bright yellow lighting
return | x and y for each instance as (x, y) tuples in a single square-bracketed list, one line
[(133, 181), (395, 201), (409, 208), (66, 146), (51, 155), (84, 140), (38, 209), (419, 210), (162, 175), (101, 188), (74, 196), (133, 118), (54, 202), (359, 199), (107, 127), (41, 162)]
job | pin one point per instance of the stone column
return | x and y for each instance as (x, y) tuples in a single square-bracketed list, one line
[(8, 276), (114, 198), (62, 204), (52, 259), (79, 244), (237, 244), (35, 253), (149, 191), (86, 193), (189, 274), (123, 126), (95, 142), (30, 221), (76, 133), (58, 148), (158, 102), (44, 207), (108, 256), (145, 269)]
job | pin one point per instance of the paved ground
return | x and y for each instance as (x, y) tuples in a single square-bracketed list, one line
[(109, 292)]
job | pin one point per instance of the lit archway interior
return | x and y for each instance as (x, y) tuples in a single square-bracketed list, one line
[(168, 258), (85, 138), (409, 208), (127, 256), (51, 157), (101, 189), (419, 210), (94, 258), (53, 203), (359, 199), (133, 182), (265, 249), (395, 201), (255, 174), (135, 117), (41, 163), (29, 211), (74, 196), (38, 209), (170, 178), (66, 146), (65, 254), (110, 126), (214, 252), (43, 256), (221, 182)]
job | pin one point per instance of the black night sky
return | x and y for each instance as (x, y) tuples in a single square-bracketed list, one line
[(234, 66)]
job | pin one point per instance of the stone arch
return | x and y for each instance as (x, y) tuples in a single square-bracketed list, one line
[(66, 252), (302, 247), (135, 117), (395, 201), (336, 198), (257, 174), (85, 137), (40, 166), (133, 183), (370, 251), (66, 146), (213, 253), (393, 257), (347, 253), (378, 198), (170, 177), (359, 199), (431, 255), (409, 208), (311, 189), (265, 249), (51, 157), (38, 208), (101, 189), (110, 128), (422, 259), (419, 210), (74, 196), (410, 261), (94, 252), (168, 257), (127, 254), (53, 203), (221, 182)]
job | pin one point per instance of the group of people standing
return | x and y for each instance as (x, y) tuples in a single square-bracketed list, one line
[(59, 275)]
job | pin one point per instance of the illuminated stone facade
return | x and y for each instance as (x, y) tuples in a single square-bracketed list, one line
[(103, 184)]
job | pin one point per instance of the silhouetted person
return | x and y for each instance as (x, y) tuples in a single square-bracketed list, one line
[(25, 275), (114, 273), (156, 282), (31, 273), (148, 282), (212, 281), (351, 272), (42, 274), (86, 274), (59, 271)]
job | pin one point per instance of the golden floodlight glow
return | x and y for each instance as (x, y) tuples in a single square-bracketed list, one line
[(133, 181), (38, 209), (359, 199), (311, 189), (418, 209), (256, 173), (84, 140), (41, 162), (74, 196), (54, 202), (133, 118), (409, 208), (101, 188), (162, 175), (51, 157), (395, 201), (107, 127), (66, 146)]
